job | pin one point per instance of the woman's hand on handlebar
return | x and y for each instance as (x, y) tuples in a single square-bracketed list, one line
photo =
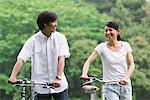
[(122, 82), (84, 77)]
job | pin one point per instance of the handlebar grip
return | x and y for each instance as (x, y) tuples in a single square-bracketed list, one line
[(17, 82), (11, 82)]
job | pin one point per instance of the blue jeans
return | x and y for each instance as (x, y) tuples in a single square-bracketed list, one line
[(117, 92), (57, 96)]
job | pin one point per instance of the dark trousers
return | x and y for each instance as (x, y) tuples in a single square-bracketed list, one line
[(57, 96)]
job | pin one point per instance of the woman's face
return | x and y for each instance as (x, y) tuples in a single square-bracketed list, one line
[(110, 33)]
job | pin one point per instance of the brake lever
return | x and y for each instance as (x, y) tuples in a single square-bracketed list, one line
[(88, 82), (49, 85)]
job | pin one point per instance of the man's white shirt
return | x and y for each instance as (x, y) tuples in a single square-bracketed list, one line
[(44, 53)]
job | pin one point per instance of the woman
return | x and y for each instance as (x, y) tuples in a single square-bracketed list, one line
[(117, 62)]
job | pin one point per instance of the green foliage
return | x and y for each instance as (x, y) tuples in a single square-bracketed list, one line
[(141, 59), (146, 18), (124, 11), (4, 84), (133, 5), (103, 6), (141, 86), (120, 11), (8, 50), (16, 16)]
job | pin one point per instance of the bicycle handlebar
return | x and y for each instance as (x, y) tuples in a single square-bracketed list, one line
[(93, 79), (27, 83), (24, 81)]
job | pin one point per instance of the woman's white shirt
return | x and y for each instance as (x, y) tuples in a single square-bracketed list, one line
[(114, 63)]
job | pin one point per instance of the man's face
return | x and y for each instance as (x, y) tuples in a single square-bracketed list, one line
[(51, 26)]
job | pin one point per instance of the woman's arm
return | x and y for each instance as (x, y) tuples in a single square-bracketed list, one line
[(130, 62), (131, 68), (88, 62)]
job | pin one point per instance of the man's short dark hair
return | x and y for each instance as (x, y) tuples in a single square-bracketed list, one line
[(45, 17)]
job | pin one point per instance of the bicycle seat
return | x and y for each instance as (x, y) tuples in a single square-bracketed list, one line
[(90, 87)]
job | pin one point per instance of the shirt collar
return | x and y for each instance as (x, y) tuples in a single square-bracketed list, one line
[(45, 37)]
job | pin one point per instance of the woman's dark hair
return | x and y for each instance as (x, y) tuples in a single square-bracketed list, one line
[(45, 17), (115, 26)]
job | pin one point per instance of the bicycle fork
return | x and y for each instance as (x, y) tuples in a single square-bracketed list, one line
[(23, 93), (95, 97), (94, 94)]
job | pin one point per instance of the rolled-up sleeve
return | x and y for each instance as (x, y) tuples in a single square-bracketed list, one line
[(99, 49), (128, 47), (64, 48)]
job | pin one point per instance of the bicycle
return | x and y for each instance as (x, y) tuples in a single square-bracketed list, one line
[(26, 83), (90, 87)]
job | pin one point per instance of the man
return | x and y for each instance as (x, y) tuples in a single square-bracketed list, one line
[(47, 50)]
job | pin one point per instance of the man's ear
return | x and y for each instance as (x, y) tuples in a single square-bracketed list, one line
[(45, 25)]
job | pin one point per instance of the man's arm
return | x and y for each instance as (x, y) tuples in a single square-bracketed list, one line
[(17, 67), (61, 64)]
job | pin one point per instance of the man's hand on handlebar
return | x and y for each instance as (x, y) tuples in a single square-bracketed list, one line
[(12, 80), (56, 83)]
